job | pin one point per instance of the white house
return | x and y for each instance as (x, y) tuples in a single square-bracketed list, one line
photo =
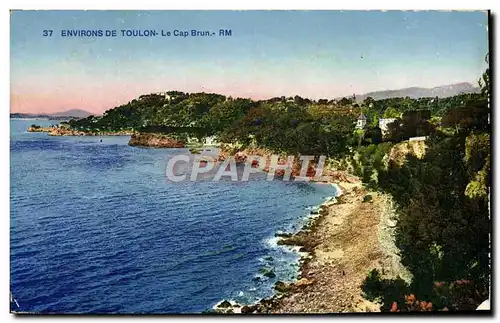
[(165, 95), (206, 142), (361, 121), (383, 123), (210, 141), (421, 138)]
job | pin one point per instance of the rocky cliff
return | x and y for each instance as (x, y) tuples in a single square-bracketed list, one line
[(155, 140), (35, 128), (329, 175), (65, 131)]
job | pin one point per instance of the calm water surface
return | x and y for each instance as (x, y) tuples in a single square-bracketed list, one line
[(96, 228)]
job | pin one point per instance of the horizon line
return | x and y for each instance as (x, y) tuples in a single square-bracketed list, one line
[(249, 97)]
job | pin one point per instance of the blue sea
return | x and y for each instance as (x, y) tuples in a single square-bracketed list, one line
[(96, 228)]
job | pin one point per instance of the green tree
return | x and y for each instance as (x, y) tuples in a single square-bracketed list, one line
[(391, 112)]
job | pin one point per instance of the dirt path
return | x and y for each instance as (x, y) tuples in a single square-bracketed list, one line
[(345, 245)]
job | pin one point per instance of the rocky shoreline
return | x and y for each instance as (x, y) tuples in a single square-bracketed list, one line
[(155, 141), (242, 155), (136, 139), (268, 305), (344, 240), (65, 131)]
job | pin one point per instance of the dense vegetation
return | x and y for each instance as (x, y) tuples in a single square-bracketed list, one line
[(285, 125), (393, 107), (292, 125), (444, 217)]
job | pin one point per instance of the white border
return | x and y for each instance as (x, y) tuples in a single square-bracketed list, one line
[(184, 4), (256, 4)]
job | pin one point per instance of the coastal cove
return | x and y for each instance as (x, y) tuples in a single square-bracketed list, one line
[(239, 162), (96, 221)]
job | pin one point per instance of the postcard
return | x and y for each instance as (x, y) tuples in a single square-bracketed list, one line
[(250, 162)]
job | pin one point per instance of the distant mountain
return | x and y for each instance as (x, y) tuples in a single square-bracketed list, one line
[(77, 113), (17, 115), (421, 92), (73, 113)]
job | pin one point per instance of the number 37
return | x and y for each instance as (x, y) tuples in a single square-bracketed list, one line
[(47, 33)]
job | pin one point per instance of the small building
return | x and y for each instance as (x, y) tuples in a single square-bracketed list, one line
[(361, 123), (421, 138), (205, 142), (383, 124), (211, 141), (164, 94)]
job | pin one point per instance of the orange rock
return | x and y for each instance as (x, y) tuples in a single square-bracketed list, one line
[(304, 282), (410, 298)]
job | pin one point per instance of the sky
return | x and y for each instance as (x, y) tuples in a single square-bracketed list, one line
[(314, 54)]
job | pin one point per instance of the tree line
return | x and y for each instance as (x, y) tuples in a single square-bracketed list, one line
[(289, 125), (443, 224), (442, 198)]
